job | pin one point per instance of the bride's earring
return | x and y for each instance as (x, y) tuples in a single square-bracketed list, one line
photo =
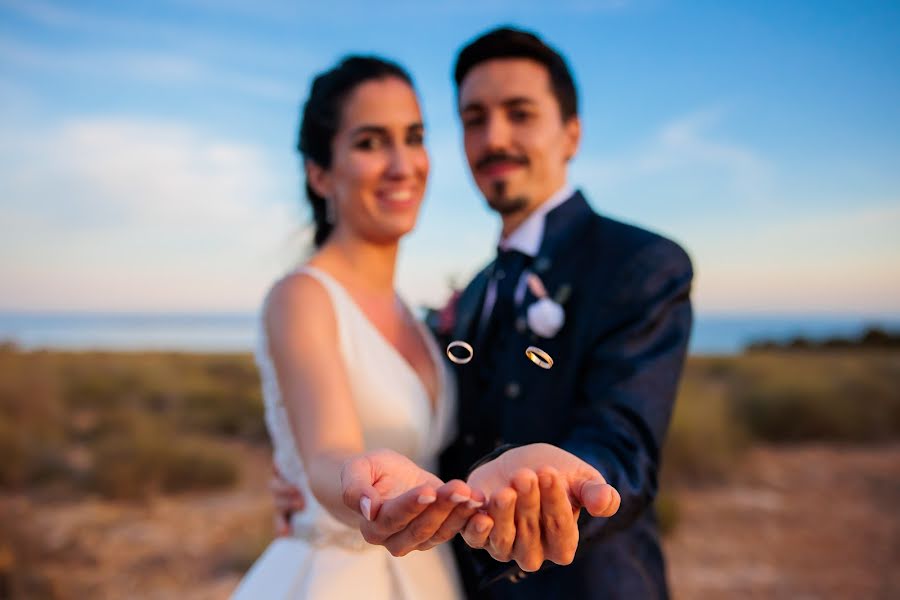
[(330, 213)]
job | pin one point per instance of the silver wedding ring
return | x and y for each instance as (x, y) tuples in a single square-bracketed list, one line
[(539, 357), (460, 360)]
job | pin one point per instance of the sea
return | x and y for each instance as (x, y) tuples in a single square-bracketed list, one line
[(713, 334)]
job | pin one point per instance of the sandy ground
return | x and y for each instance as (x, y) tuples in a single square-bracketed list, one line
[(798, 523)]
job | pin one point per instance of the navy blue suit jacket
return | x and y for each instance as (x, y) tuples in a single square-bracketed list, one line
[(608, 398)]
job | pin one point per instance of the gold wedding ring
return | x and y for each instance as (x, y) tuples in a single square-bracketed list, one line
[(539, 357), (460, 360)]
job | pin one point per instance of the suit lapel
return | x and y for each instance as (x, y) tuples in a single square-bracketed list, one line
[(563, 229)]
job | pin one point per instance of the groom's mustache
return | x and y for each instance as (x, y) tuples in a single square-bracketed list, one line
[(494, 158)]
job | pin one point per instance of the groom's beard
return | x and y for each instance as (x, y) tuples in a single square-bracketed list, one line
[(497, 197), (498, 200)]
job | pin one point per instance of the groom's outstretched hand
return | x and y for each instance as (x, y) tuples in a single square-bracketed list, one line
[(536, 493), (404, 507)]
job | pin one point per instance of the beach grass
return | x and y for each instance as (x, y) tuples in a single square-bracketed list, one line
[(130, 423), (127, 425)]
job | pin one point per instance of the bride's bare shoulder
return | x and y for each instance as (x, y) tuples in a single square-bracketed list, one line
[(298, 298)]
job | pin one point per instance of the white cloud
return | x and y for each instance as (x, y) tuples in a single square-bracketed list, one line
[(132, 214), (150, 67), (683, 144)]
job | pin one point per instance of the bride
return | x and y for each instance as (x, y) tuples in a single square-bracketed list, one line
[(348, 373)]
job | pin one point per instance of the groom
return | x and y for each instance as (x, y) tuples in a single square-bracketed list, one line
[(607, 302), (618, 354)]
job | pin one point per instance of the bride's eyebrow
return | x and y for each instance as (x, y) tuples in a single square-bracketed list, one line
[(383, 131), (368, 129)]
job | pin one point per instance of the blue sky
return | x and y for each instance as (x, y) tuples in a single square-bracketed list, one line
[(147, 163)]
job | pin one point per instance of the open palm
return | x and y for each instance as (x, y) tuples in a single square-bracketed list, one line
[(393, 474), (498, 473)]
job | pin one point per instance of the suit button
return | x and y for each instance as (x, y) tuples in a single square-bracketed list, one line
[(512, 390), (469, 439)]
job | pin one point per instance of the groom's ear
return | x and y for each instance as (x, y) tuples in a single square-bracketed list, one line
[(572, 129), (319, 179)]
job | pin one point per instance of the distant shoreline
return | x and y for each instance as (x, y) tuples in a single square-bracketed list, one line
[(873, 338), (714, 334)]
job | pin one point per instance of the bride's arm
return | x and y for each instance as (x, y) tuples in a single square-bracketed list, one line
[(418, 509), (303, 342)]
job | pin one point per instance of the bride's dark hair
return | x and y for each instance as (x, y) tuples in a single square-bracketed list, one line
[(321, 119)]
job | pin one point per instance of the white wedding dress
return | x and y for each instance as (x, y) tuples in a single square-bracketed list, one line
[(325, 559)]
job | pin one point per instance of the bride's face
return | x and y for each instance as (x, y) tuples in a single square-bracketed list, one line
[(379, 163)]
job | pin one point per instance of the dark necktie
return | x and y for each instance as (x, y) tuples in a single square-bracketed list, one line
[(507, 273), (493, 344)]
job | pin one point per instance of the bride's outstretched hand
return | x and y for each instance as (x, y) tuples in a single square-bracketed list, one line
[(403, 506)]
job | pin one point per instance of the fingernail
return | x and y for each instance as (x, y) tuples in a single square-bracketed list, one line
[(458, 498), (425, 499), (474, 504), (365, 506), (481, 526), (545, 481)]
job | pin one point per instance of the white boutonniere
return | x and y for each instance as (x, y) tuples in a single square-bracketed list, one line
[(546, 316)]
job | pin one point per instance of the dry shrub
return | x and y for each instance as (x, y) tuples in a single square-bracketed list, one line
[(32, 418), (830, 397), (13, 448), (22, 552), (667, 512), (704, 441), (225, 412), (142, 419), (146, 457), (198, 465), (239, 554)]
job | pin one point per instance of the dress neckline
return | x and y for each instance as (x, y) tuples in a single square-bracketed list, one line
[(430, 347)]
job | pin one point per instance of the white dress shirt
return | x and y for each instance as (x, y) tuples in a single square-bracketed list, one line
[(526, 238)]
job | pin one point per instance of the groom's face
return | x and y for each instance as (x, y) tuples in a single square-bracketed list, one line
[(516, 142)]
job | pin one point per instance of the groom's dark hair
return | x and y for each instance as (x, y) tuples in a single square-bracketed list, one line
[(508, 42)]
